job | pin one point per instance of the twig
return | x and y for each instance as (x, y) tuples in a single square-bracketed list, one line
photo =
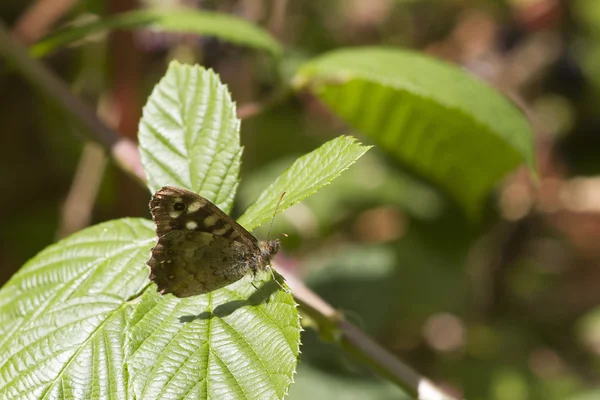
[(127, 156), (121, 149), (38, 18), (333, 325), (253, 108), (277, 20), (77, 210)]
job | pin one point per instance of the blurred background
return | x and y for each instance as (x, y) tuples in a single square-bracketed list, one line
[(505, 309)]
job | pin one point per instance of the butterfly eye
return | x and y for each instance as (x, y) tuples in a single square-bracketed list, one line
[(179, 206)]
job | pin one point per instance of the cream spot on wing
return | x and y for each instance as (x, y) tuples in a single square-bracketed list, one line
[(195, 206), (210, 220), (221, 230), (191, 225), (174, 214)]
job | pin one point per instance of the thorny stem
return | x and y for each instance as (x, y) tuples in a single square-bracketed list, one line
[(125, 153)]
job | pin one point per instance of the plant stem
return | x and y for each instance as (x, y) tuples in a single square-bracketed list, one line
[(333, 325), (122, 150)]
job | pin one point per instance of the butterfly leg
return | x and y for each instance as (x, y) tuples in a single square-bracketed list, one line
[(277, 280)]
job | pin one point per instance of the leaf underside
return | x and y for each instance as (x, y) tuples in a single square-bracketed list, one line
[(437, 120)]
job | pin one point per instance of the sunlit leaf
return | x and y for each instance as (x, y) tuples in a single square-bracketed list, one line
[(189, 135), (304, 177)]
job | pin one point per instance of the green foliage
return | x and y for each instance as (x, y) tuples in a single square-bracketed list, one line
[(190, 137), (588, 12), (304, 177), (81, 319), (502, 310), (63, 316), (223, 26), (437, 120)]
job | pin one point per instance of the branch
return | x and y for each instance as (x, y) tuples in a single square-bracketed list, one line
[(126, 154), (123, 151), (39, 17), (332, 325)]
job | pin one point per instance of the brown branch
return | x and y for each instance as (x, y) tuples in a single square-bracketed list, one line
[(333, 325), (39, 17), (77, 209), (277, 20), (52, 87), (250, 109), (126, 154)]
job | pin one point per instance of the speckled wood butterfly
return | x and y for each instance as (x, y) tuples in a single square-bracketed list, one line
[(200, 248)]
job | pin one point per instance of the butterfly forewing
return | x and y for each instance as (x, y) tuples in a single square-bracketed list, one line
[(200, 248)]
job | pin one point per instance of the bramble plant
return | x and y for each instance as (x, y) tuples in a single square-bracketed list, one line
[(88, 298), (82, 320)]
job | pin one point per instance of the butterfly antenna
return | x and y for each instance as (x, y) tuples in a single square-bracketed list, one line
[(274, 214)]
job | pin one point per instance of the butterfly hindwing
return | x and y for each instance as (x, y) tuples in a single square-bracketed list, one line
[(200, 248)]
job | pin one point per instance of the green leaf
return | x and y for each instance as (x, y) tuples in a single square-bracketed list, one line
[(434, 118), (72, 325), (238, 342), (304, 177), (223, 26), (588, 13), (189, 135), (63, 315)]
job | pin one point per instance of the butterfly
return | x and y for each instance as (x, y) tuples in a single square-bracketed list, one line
[(200, 248)]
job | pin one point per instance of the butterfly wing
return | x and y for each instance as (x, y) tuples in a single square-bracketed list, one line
[(200, 248)]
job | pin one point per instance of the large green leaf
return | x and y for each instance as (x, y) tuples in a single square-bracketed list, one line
[(304, 177), (63, 315), (189, 135), (224, 26), (81, 320), (432, 117)]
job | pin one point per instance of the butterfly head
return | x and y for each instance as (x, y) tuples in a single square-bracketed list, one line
[(268, 250)]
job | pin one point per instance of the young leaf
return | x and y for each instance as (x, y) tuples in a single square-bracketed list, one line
[(439, 121), (223, 26), (189, 135), (304, 177)]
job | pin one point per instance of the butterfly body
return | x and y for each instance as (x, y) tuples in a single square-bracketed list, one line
[(200, 248)]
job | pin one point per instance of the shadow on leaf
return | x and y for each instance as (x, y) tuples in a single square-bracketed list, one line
[(261, 295)]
